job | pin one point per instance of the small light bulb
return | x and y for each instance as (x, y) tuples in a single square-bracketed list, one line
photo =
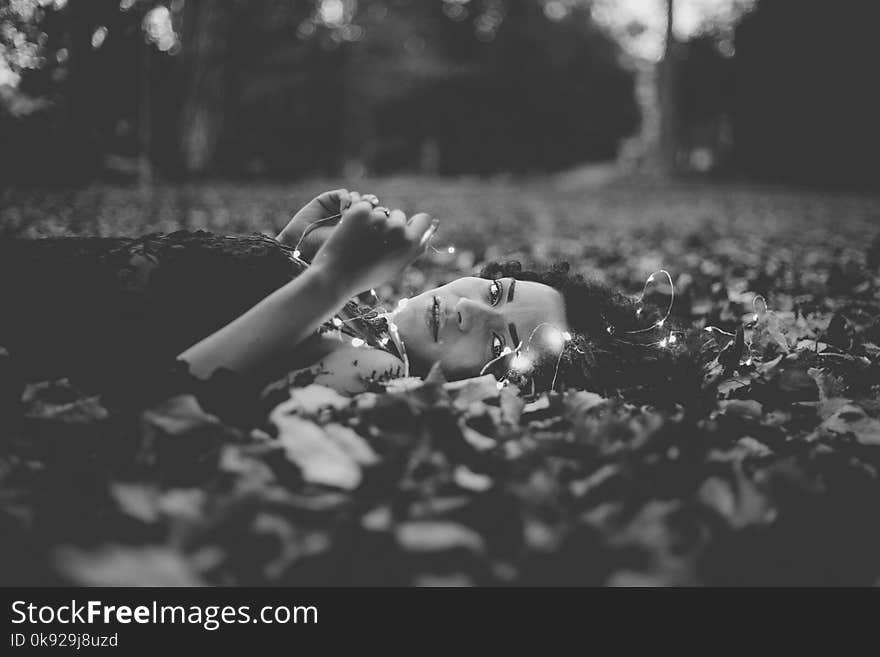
[(297, 253), (450, 250), (337, 322), (521, 363), (555, 340), (357, 342)]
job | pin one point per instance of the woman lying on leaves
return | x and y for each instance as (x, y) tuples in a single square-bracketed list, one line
[(242, 312)]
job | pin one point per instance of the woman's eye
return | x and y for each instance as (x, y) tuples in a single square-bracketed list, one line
[(497, 345), (495, 292)]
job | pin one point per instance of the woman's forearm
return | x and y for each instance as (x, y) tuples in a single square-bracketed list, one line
[(270, 331)]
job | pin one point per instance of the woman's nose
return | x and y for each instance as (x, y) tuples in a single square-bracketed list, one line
[(471, 314)]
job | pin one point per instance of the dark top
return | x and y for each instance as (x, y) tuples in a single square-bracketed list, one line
[(113, 313)]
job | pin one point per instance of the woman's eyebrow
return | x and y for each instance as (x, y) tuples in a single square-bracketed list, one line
[(511, 289), (513, 334)]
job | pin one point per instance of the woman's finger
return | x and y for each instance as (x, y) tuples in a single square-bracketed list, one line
[(379, 222), (421, 228), (358, 212), (397, 219), (344, 200), (334, 201)]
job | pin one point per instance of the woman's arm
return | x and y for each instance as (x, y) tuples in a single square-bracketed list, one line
[(271, 329), (367, 249)]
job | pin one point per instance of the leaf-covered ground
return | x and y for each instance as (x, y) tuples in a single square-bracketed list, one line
[(775, 481)]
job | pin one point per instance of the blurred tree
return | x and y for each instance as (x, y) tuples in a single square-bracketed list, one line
[(207, 32), (704, 93), (532, 92), (284, 89), (669, 120), (805, 105), (436, 86), (87, 60)]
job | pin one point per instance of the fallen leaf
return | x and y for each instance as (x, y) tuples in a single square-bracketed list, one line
[(404, 384), (311, 400), (475, 439), (437, 536), (136, 500), (351, 443), (118, 565), (470, 480), (321, 460), (179, 415), (747, 409), (471, 390), (851, 419), (540, 404)]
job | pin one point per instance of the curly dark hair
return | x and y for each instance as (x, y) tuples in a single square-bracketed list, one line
[(603, 355)]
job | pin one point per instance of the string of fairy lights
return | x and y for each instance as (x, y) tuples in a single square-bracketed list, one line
[(379, 312), (297, 253), (556, 340), (759, 305)]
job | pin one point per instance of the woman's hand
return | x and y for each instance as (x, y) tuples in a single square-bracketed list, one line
[(365, 249), (371, 246), (312, 225)]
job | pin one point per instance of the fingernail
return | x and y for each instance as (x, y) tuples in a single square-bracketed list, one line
[(430, 232)]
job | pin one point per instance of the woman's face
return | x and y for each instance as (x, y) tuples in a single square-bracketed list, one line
[(468, 322)]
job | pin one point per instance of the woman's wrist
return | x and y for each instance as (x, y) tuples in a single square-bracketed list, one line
[(331, 279)]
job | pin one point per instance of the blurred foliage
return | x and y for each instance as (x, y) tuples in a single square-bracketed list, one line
[(279, 88), (773, 481), (535, 94), (784, 94), (770, 89), (83, 60)]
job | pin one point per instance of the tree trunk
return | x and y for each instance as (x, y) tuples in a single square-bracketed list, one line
[(145, 115), (668, 150), (204, 57), (80, 92)]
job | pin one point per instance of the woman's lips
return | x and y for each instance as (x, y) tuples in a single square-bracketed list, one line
[(435, 317)]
